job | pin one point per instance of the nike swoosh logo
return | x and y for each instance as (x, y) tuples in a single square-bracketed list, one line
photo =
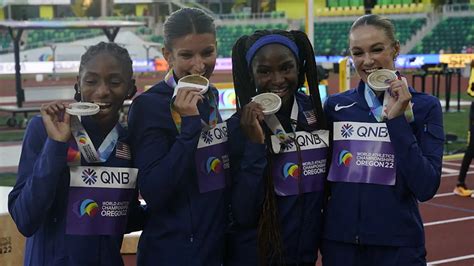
[(337, 107)]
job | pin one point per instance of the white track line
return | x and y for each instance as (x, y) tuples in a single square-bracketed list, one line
[(451, 260), (452, 164), (456, 174), (444, 195), (449, 221), (457, 164), (449, 170)]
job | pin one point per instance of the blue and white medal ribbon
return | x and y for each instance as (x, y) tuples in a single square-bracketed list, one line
[(85, 145)]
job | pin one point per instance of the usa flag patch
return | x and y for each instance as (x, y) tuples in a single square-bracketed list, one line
[(123, 151), (310, 117)]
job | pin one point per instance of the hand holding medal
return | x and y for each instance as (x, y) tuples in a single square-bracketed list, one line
[(188, 92), (262, 108), (397, 100), (56, 121)]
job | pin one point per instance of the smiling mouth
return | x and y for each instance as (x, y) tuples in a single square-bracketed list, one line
[(103, 105), (279, 92)]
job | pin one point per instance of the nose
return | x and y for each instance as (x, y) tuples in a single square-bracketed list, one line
[(278, 78), (198, 65), (368, 60), (103, 90)]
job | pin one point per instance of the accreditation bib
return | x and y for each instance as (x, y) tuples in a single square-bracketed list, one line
[(300, 165), (362, 153), (212, 158), (98, 199)]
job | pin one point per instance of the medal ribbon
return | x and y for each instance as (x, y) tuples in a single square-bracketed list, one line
[(275, 126), (86, 147), (378, 110)]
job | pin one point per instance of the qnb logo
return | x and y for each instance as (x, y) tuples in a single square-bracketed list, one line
[(347, 130), (88, 207), (89, 176), (290, 169), (213, 165), (207, 137), (345, 158)]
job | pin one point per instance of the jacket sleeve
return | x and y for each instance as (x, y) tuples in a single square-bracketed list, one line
[(164, 160), (42, 165), (248, 162), (419, 161)]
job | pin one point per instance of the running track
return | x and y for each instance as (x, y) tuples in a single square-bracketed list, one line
[(448, 220)]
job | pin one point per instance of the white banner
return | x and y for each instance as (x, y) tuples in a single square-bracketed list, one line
[(103, 177), (306, 140), (361, 131), (213, 136)]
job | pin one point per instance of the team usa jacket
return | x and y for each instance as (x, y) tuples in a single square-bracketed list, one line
[(300, 215), (39, 199), (374, 214), (184, 226)]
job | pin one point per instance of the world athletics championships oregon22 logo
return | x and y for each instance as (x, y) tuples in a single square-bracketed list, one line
[(347, 130), (290, 169), (345, 158), (213, 165), (82, 137), (88, 207), (89, 176)]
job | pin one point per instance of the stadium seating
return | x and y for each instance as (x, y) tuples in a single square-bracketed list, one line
[(227, 35), (451, 33), (40, 38), (398, 7), (5, 41), (330, 38)]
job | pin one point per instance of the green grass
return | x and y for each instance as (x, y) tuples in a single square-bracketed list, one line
[(10, 133), (457, 123), (11, 136), (7, 179)]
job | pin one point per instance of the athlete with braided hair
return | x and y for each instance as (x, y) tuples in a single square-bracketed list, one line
[(277, 184), (64, 200)]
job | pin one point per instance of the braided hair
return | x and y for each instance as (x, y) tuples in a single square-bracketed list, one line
[(116, 51), (269, 242)]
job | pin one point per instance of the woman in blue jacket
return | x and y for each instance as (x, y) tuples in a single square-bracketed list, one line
[(64, 199), (386, 156), (179, 145), (277, 183)]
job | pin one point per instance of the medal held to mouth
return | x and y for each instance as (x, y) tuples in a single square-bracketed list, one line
[(270, 102), (192, 81), (378, 80), (83, 109)]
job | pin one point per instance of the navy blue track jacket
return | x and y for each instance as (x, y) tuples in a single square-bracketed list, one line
[(388, 215), (39, 199), (300, 216), (184, 226)]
